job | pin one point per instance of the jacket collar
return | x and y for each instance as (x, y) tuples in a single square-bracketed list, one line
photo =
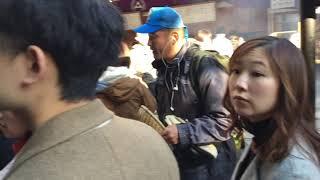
[(62, 128), (111, 75), (246, 173)]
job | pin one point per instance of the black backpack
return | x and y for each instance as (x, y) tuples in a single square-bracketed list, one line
[(222, 62), (198, 55)]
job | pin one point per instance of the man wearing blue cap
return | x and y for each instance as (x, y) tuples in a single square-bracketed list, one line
[(195, 100)]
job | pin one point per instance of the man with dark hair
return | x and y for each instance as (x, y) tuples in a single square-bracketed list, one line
[(196, 106), (57, 50)]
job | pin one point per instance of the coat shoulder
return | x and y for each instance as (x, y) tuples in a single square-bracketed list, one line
[(294, 167), (123, 149)]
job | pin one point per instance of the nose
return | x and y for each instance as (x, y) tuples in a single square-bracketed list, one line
[(149, 42), (241, 83)]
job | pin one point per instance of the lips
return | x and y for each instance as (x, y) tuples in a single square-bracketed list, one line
[(240, 98)]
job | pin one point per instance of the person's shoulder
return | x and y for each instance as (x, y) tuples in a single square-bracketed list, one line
[(130, 126), (294, 166), (121, 149), (210, 66), (135, 132), (136, 143), (207, 59)]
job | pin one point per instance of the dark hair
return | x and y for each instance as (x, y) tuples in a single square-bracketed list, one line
[(82, 36), (125, 61), (293, 113), (129, 38), (203, 33)]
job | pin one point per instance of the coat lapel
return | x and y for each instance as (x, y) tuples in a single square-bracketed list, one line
[(250, 172), (239, 163)]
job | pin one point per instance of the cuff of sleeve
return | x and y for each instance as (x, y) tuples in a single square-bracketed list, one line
[(184, 135)]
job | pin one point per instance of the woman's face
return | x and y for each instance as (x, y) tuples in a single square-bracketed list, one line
[(253, 87), (234, 41)]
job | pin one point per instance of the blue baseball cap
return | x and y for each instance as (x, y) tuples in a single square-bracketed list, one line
[(161, 18)]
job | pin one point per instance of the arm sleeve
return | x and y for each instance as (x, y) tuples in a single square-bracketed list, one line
[(149, 100)]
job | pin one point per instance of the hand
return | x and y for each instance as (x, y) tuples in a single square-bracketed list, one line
[(170, 134)]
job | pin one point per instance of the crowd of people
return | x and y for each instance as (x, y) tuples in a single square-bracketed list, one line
[(69, 99)]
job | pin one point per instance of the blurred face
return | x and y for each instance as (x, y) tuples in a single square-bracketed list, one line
[(160, 44), (253, 87), (12, 125), (204, 37), (9, 78), (234, 41)]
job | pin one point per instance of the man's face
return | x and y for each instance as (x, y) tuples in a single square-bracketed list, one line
[(160, 43), (9, 75)]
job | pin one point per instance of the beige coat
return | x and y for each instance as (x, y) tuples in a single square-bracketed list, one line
[(91, 143)]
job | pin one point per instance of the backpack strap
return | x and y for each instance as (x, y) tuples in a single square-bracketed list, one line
[(194, 76)]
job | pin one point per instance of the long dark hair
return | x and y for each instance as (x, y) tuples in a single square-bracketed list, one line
[(293, 113)]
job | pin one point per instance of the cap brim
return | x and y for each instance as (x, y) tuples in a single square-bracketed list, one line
[(147, 28)]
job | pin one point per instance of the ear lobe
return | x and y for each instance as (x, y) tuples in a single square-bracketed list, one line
[(36, 65)]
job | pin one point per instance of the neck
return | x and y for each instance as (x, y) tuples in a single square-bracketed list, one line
[(260, 117), (262, 130), (174, 52), (41, 113)]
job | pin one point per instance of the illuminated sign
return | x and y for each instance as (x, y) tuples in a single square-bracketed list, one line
[(138, 5), (279, 4), (205, 12)]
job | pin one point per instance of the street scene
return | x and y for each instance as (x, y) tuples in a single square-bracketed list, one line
[(160, 89)]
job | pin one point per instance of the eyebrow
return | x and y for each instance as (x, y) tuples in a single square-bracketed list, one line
[(259, 63), (254, 62)]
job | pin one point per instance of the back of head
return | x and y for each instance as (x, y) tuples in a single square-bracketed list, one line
[(82, 36), (203, 35)]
